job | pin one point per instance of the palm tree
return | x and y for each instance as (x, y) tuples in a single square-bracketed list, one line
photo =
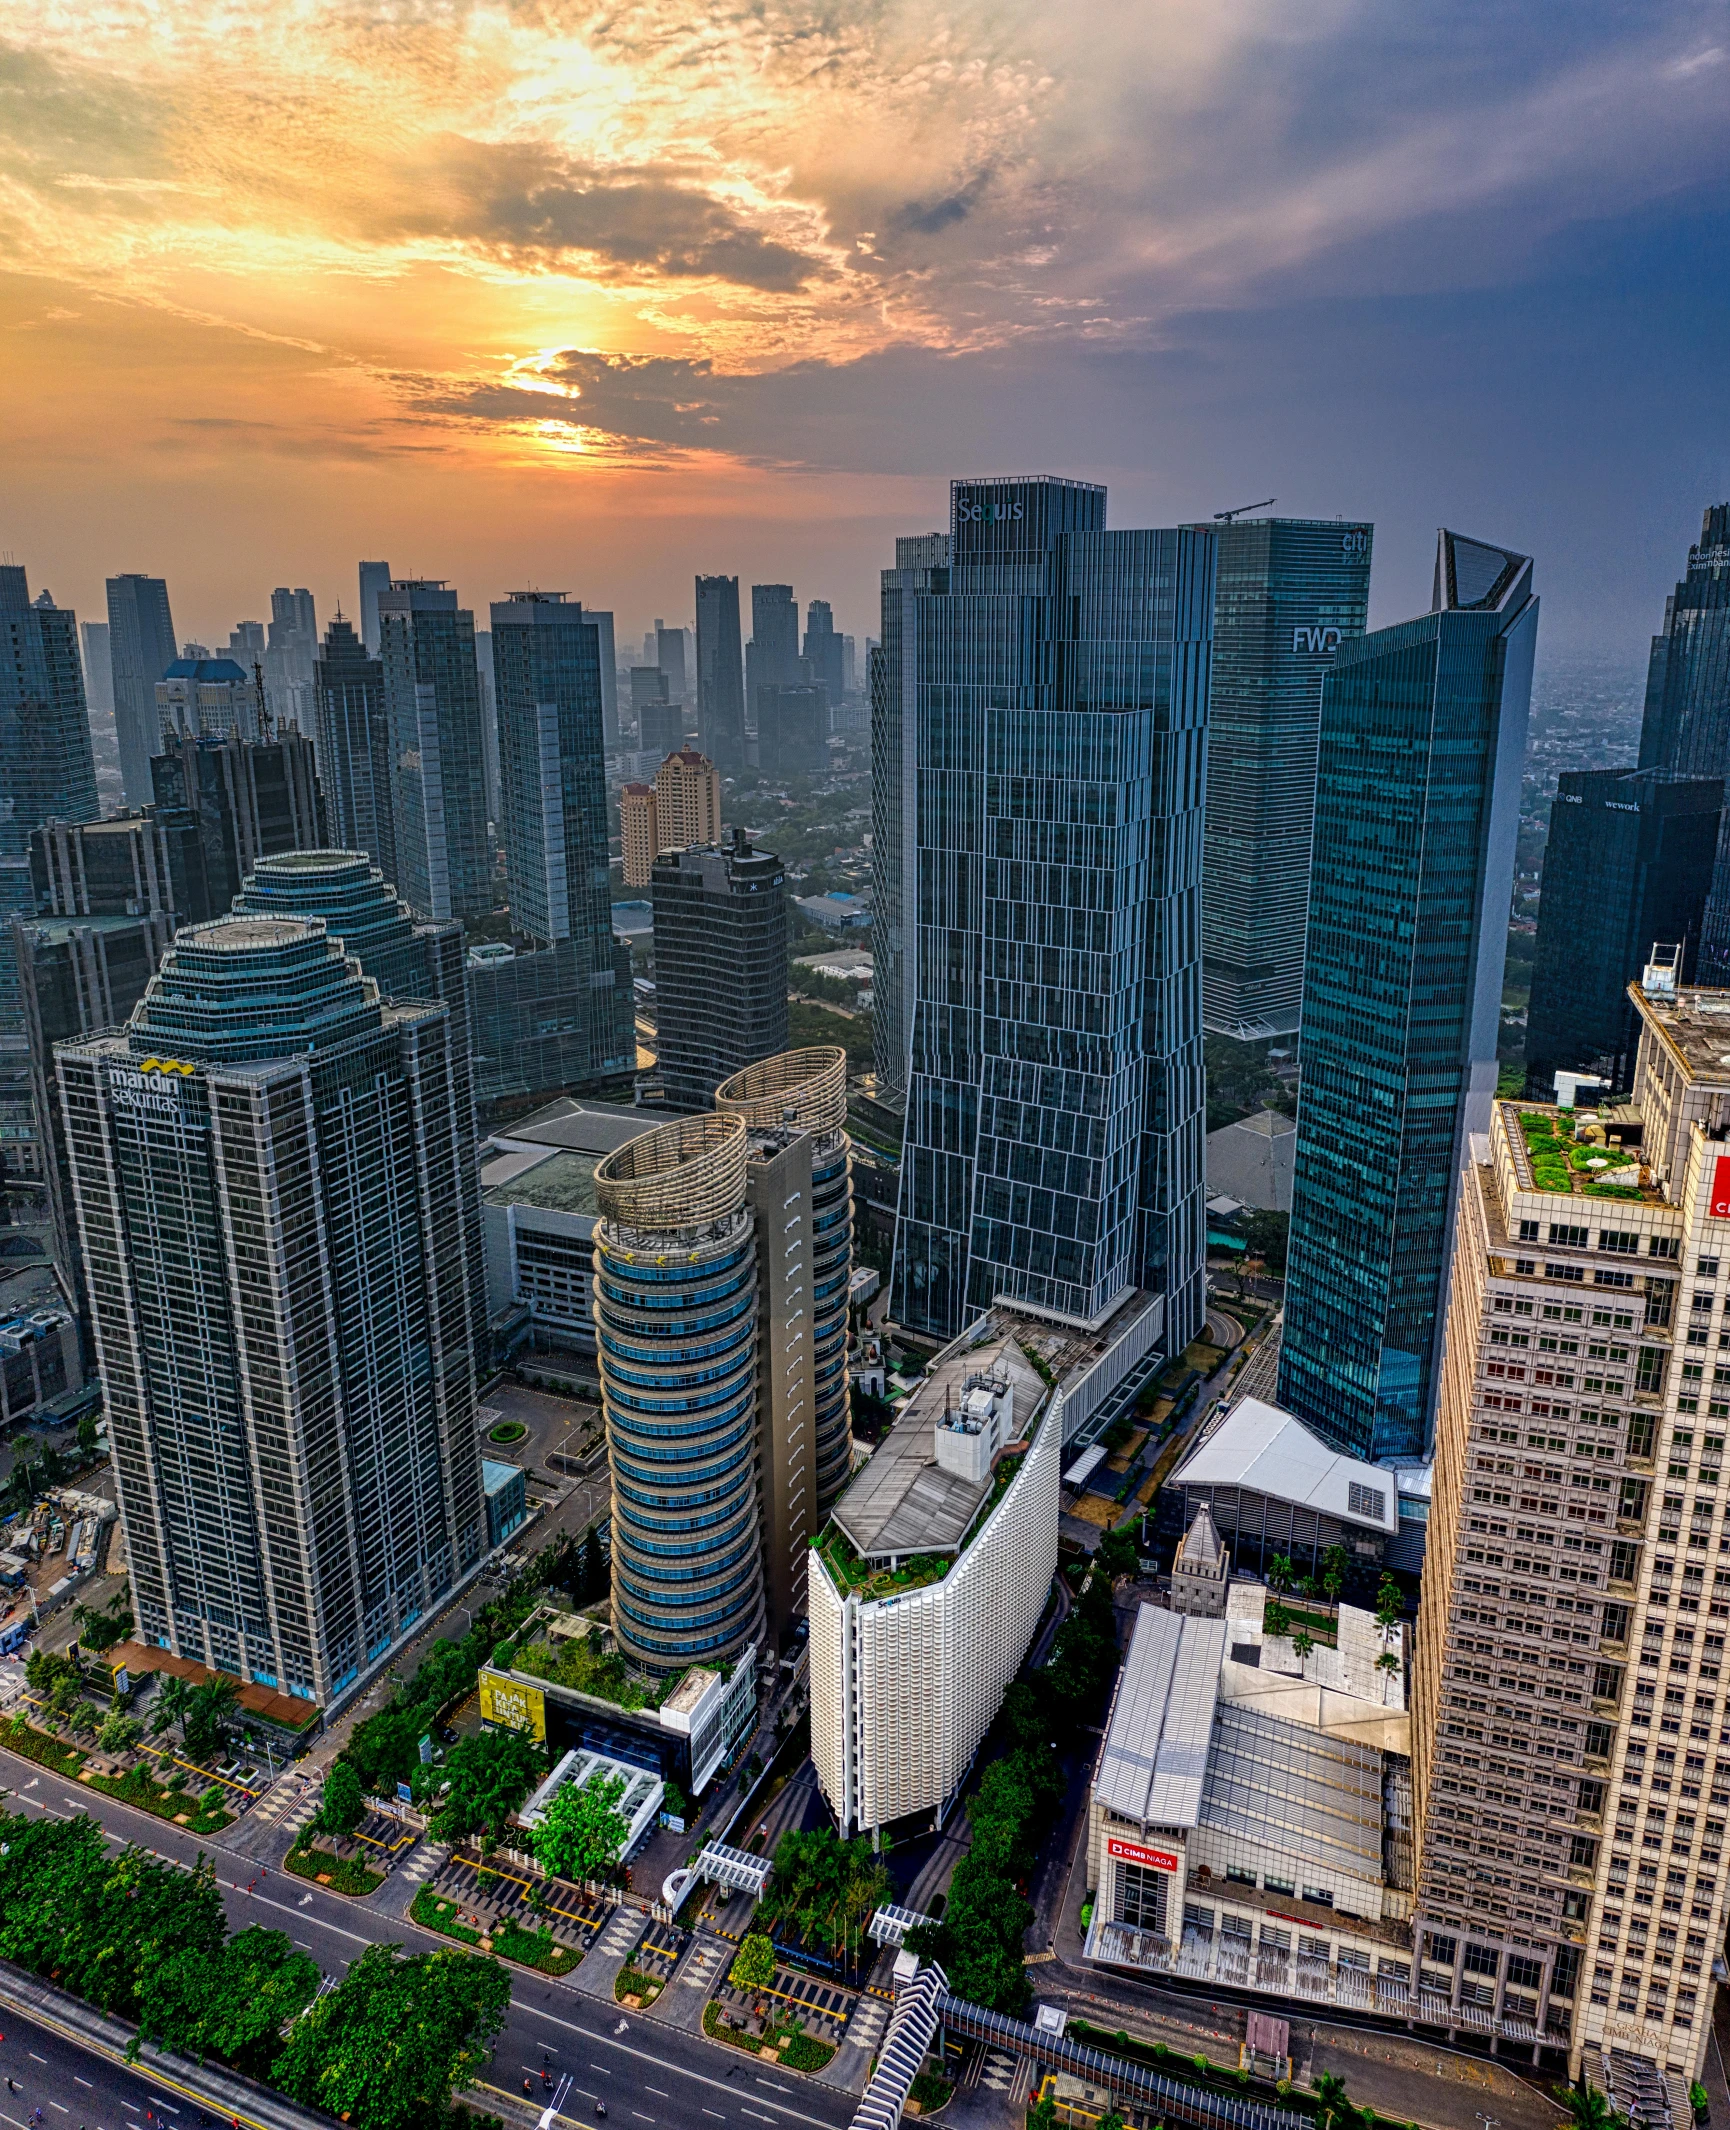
[(1588, 2109), (1279, 1571), (1302, 1643), (172, 1695)]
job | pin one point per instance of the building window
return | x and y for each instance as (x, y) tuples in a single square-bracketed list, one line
[(1569, 1238), (1141, 1897), (1482, 1959), (1706, 1268), (1366, 1501), (1524, 1973)]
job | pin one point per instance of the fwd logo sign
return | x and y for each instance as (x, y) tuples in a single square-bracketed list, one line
[(1318, 641)]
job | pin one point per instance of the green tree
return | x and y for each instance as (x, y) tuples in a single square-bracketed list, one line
[(87, 1432), (231, 2002), (754, 1967), (169, 1707), (99, 1630), (582, 1833), (489, 1776), (343, 1804), (1267, 1235), (1275, 1619), (1043, 2114), (1390, 1602), (398, 2035), (1117, 1552), (1279, 1572), (1302, 1643), (595, 1578), (1111, 2120), (119, 1732), (1334, 1568), (208, 1708), (1588, 2109)]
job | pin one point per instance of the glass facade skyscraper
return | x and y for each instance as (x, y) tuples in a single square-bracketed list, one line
[(921, 565), (720, 674), (720, 965), (1628, 864), (1290, 592), (269, 1167), (351, 733), (141, 648), (1423, 732), (439, 796), (1053, 695)]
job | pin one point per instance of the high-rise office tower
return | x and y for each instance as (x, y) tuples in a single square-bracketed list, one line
[(670, 658), (720, 675), (639, 834), (1417, 806), (825, 651), (1290, 591), (489, 727), (352, 736), (290, 654), (1686, 727), (438, 797), (1628, 863), (660, 720), (47, 768), (246, 644), (546, 657), (793, 731), (142, 647), (772, 655), (248, 800), (1569, 1720), (754, 1207), (687, 801), (921, 565), (207, 698), (603, 622), (374, 578), (1054, 713), (720, 965), (98, 670), (264, 1158)]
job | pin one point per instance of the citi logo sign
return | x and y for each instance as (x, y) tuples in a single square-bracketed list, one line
[(989, 513), (1316, 641), (1355, 544)]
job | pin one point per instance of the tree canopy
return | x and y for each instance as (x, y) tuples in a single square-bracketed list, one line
[(827, 1889), (397, 2036), (754, 1963), (343, 1805), (582, 1834), (489, 1776)]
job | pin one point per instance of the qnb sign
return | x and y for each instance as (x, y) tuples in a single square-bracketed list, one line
[(1005, 513), (1314, 642)]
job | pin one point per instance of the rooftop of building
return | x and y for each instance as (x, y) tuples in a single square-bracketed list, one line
[(1695, 1024), (1154, 1759), (1269, 1451), (1575, 1153), (555, 1182), (1251, 1161), (205, 669)]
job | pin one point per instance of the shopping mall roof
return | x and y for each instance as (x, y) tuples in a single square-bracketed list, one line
[(1156, 1742), (1268, 1451)]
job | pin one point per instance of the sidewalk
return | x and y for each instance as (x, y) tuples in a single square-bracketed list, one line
[(255, 2107)]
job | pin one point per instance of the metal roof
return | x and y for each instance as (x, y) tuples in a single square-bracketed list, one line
[(1271, 1452), (1285, 1786), (1156, 1748)]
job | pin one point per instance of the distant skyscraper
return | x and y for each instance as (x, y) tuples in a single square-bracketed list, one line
[(489, 727), (98, 669), (1290, 591), (1628, 864), (687, 801), (296, 1465), (46, 766), (142, 646), (1423, 732), (772, 655), (374, 578), (1053, 691), (825, 652), (438, 799), (290, 654), (720, 675), (720, 966), (352, 734), (921, 565), (207, 697), (1686, 728), (793, 731), (246, 646), (546, 658), (247, 799), (639, 834), (670, 657), (609, 675)]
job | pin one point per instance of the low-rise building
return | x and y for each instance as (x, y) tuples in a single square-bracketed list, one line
[(506, 1490), (1200, 1571)]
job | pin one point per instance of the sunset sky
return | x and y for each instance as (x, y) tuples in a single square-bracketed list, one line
[(597, 296)]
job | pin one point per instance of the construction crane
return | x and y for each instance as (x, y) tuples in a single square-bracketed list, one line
[(1230, 517)]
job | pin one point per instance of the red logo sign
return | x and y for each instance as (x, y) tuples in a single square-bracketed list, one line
[(1134, 1853), (1720, 1207)]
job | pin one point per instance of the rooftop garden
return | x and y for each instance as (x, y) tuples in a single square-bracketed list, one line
[(1562, 1161), (585, 1663), (854, 1576)]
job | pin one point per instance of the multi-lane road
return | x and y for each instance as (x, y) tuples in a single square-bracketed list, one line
[(648, 2074)]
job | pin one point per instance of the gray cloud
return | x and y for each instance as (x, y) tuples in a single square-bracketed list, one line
[(529, 204)]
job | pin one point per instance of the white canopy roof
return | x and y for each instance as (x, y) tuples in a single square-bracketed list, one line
[(1269, 1451)]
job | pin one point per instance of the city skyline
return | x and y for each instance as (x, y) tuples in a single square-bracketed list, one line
[(594, 291)]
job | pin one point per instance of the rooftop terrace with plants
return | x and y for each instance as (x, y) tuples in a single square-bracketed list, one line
[(1574, 1157)]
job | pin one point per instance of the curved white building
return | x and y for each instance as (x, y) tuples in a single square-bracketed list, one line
[(930, 1578)]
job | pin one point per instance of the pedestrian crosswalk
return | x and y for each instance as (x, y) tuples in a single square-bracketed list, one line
[(427, 1859), (999, 2071), (623, 1931), (705, 1967), (865, 2028)]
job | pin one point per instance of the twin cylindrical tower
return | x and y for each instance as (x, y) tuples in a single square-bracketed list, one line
[(722, 1259)]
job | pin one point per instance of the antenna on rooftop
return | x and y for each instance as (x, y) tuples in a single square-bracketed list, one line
[(263, 701), (1230, 517)]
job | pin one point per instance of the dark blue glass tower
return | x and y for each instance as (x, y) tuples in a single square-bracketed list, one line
[(432, 692), (1053, 693), (1423, 733)]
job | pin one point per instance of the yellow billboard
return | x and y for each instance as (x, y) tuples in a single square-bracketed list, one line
[(516, 1707)]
